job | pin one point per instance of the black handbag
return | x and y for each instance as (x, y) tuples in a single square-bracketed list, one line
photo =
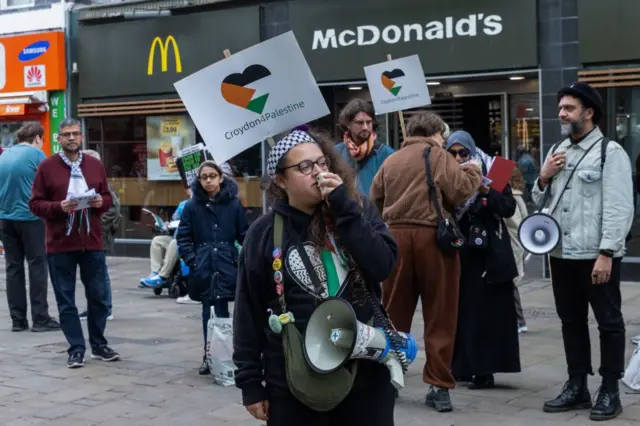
[(448, 237)]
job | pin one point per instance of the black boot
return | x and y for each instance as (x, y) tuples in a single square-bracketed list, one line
[(608, 405), (574, 396), (204, 368), (482, 382)]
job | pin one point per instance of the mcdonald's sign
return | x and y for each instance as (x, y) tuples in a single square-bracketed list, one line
[(164, 50)]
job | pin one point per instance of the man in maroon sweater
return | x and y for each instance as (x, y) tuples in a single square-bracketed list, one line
[(74, 238)]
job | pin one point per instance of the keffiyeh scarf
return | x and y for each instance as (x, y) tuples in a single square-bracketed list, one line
[(77, 186), (462, 209)]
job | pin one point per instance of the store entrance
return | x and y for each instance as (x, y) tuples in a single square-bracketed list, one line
[(484, 116)]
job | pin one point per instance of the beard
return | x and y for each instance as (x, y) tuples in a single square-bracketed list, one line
[(575, 127)]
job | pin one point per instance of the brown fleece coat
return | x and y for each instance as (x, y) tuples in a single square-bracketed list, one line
[(400, 190)]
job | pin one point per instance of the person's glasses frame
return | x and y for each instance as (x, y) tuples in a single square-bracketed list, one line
[(67, 135), (212, 177), (306, 167)]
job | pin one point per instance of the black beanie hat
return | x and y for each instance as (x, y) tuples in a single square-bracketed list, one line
[(589, 97)]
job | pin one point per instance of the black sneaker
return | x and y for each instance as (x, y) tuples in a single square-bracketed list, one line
[(76, 360), (47, 325), (105, 353), (439, 399), (20, 325)]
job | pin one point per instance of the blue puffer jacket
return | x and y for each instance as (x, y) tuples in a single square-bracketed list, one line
[(206, 236)]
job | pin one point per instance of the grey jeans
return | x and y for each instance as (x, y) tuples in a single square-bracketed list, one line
[(25, 240)]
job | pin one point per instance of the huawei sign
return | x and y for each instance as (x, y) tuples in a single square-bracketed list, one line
[(34, 76)]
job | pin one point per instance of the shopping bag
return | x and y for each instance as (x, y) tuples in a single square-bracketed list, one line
[(220, 350), (631, 377)]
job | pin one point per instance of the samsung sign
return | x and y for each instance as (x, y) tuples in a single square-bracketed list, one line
[(339, 38), (367, 35), (33, 51)]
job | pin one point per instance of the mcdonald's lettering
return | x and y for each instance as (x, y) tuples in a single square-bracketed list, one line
[(164, 51)]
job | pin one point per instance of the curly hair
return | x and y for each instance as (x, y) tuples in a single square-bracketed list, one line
[(322, 219)]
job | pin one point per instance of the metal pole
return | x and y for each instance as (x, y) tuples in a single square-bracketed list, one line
[(263, 160)]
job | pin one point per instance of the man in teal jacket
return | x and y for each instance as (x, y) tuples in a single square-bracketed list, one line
[(360, 146)]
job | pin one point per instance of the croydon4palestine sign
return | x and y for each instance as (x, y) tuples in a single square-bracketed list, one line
[(252, 95), (397, 85)]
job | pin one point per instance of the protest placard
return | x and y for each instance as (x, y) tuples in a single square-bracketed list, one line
[(252, 95), (397, 84), (189, 160)]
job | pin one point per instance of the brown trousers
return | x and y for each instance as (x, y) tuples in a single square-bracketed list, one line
[(423, 271)]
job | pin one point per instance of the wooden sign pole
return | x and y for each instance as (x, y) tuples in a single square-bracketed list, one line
[(400, 114)]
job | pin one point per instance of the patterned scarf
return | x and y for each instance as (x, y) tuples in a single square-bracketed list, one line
[(359, 152), (77, 186), (461, 210)]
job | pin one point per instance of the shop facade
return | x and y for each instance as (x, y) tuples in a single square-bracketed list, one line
[(134, 118), (610, 61), (493, 96), (33, 81), (493, 67)]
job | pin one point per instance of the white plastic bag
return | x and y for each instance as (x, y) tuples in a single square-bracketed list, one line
[(632, 374), (220, 350)]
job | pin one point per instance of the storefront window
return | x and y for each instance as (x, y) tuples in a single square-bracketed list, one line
[(620, 123), (139, 152)]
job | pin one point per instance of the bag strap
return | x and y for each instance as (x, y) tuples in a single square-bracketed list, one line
[(278, 276), (432, 186), (566, 185), (603, 152)]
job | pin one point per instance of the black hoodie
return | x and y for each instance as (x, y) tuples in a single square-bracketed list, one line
[(258, 351)]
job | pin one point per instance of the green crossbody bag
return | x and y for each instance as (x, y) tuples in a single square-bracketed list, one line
[(320, 392)]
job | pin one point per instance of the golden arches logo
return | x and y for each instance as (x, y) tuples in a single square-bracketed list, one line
[(164, 50)]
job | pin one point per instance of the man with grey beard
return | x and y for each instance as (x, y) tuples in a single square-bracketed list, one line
[(586, 184)]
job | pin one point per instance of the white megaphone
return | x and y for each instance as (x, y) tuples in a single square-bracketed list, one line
[(539, 233), (334, 336)]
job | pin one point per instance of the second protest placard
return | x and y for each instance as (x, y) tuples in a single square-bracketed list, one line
[(397, 85)]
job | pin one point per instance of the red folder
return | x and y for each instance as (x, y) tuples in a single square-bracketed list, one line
[(500, 173)]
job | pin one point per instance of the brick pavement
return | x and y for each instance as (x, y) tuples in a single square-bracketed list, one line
[(156, 383)]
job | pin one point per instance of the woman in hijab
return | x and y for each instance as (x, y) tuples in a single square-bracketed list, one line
[(321, 239), (487, 337)]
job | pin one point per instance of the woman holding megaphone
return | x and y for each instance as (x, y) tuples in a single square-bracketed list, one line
[(320, 240)]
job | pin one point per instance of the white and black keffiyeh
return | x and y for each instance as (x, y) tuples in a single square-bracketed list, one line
[(283, 146), (77, 186)]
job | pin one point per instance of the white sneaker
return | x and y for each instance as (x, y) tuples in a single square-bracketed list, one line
[(186, 300), (522, 329), (636, 340), (110, 317)]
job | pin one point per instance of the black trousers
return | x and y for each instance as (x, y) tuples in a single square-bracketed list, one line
[(372, 405), (25, 240), (574, 292)]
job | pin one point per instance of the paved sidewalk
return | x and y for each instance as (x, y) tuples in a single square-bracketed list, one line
[(156, 383)]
